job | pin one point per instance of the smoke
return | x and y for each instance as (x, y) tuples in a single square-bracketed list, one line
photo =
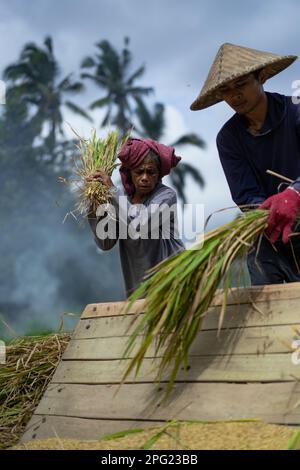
[(47, 267)]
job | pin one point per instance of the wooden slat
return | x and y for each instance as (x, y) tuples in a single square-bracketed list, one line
[(236, 368), (44, 427), (103, 327), (79, 403), (257, 340), (236, 296), (259, 294), (110, 309), (283, 312), (206, 401)]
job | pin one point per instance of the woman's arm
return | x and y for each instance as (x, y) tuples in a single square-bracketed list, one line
[(106, 233), (108, 242)]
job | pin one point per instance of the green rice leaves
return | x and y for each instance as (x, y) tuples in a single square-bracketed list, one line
[(180, 290)]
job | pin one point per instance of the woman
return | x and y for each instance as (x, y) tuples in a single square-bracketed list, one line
[(147, 205)]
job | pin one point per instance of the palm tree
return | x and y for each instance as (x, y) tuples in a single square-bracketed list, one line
[(111, 72), (16, 135), (152, 125), (34, 81)]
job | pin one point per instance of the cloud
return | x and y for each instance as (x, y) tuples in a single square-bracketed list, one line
[(177, 42)]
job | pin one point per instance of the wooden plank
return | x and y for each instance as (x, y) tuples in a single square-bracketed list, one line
[(110, 309), (262, 312), (257, 340), (45, 427), (103, 327), (236, 296), (274, 312), (259, 294), (283, 312), (277, 402), (236, 368)]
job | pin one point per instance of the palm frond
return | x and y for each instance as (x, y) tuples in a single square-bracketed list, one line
[(67, 86), (49, 45), (18, 71), (101, 102), (152, 122), (190, 139), (138, 90), (106, 119), (76, 109), (94, 78), (137, 74), (88, 62), (186, 169)]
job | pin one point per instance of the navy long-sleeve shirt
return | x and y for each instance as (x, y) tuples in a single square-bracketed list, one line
[(246, 157), (139, 255)]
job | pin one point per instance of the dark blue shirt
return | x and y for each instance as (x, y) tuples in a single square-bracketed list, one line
[(246, 157)]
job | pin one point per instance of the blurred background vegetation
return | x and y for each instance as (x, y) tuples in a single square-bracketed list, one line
[(50, 264)]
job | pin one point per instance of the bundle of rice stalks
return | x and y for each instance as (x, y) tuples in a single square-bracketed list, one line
[(180, 290), (31, 362), (95, 154)]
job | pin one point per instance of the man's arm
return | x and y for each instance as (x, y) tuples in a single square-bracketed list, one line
[(243, 184)]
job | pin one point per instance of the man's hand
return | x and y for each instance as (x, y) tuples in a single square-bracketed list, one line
[(283, 209), (100, 175)]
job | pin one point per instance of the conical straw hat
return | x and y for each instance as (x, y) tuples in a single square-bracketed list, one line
[(235, 61)]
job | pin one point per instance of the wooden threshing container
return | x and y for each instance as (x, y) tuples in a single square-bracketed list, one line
[(249, 371)]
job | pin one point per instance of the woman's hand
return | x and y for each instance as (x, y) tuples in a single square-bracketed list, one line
[(102, 177)]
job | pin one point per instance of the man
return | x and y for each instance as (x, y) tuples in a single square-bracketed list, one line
[(263, 134), (144, 203)]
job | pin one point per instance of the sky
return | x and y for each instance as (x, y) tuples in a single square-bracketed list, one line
[(177, 41)]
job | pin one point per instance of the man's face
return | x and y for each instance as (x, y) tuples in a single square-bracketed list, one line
[(145, 177), (242, 94)]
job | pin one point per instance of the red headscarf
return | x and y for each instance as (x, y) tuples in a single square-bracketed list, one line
[(133, 153)]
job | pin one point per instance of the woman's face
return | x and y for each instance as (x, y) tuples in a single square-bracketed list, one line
[(145, 176)]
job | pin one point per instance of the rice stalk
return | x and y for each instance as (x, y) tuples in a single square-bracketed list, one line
[(162, 430), (294, 442), (94, 154), (30, 364), (180, 290)]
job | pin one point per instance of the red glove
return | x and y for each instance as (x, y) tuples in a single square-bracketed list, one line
[(284, 209)]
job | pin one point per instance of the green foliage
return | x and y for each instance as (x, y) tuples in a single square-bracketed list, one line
[(294, 442), (180, 290), (112, 73), (35, 89), (152, 124)]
